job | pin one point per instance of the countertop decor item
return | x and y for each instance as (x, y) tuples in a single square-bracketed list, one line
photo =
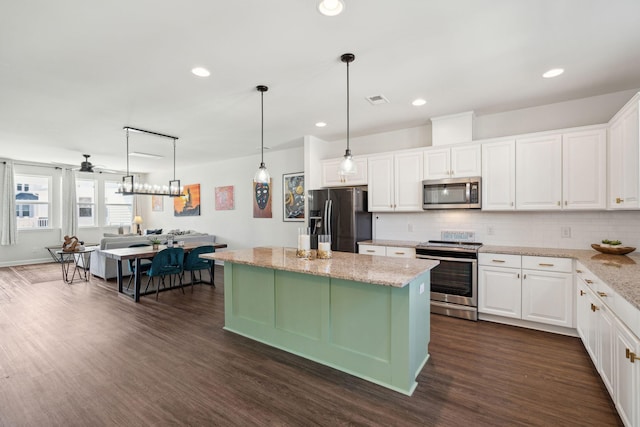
[(613, 250)]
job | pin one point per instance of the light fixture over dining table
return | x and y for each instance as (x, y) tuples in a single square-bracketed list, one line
[(129, 185)]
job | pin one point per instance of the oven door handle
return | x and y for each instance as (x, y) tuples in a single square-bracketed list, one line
[(440, 258)]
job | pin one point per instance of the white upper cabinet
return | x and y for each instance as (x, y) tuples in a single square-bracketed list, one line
[(395, 182), (584, 164), (331, 178), (454, 162), (539, 172), (499, 175), (624, 157)]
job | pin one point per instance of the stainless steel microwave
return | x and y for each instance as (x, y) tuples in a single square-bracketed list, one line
[(452, 193)]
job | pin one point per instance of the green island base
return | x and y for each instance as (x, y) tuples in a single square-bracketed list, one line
[(375, 332)]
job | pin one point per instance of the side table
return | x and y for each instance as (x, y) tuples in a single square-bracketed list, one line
[(79, 261)]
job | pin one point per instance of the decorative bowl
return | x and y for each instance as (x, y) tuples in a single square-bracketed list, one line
[(613, 250)]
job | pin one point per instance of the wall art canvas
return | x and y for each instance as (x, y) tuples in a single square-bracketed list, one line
[(293, 196), (188, 204), (262, 200), (224, 198), (157, 203)]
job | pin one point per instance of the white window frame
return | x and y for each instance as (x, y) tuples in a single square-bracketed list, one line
[(106, 206), (93, 205), (20, 178)]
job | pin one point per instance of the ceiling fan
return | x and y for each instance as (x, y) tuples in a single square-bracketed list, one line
[(86, 166)]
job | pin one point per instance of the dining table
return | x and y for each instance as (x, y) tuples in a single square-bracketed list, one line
[(145, 252)]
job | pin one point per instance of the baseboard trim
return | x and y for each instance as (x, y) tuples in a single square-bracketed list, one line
[(572, 332)]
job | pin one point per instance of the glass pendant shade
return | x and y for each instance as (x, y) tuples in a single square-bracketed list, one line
[(347, 165), (262, 175)]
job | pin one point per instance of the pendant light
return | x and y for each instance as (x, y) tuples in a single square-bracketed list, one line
[(347, 166), (262, 175)]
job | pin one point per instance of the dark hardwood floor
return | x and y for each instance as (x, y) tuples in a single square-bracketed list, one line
[(82, 355)]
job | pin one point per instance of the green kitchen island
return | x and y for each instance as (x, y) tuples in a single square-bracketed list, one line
[(365, 315)]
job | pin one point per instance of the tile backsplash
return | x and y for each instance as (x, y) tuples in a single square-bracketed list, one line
[(570, 230)]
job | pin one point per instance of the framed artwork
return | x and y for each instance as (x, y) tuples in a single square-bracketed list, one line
[(188, 204), (157, 203), (224, 198), (262, 200), (293, 196)]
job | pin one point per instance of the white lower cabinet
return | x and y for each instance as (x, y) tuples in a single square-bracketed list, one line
[(547, 297), (535, 289), (613, 348)]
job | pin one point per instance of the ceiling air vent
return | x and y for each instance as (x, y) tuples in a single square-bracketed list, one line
[(377, 99)]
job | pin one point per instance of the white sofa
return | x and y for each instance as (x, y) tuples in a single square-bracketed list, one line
[(107, 268)]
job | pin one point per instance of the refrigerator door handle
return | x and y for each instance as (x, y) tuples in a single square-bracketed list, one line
[(328, 207)]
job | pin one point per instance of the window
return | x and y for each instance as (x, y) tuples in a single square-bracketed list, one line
[(33, 203), (86, 200), (119, 208)]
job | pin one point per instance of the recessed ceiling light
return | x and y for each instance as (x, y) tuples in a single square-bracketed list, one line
[(321, 124), (418, 102), (330, 7), (554, 72), (201, 72)]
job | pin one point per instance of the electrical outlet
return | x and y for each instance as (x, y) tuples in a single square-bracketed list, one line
[(421, 288), (410, 227), (565, 232), (490, 230)]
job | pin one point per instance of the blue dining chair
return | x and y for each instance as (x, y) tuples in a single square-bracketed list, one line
[(193, 263), (145, 264), (167, 262)]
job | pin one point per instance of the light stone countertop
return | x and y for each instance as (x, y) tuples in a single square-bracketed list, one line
[(620, 272), (397, 243), (378, 270)]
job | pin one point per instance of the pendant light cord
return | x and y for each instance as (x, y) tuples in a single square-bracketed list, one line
[(174, 159), (261, 128), (127, 152), (347, 106)]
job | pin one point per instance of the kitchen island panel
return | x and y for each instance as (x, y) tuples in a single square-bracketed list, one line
[(299, 299), (352, 304)]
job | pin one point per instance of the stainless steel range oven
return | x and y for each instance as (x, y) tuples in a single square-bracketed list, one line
[(454, 283)]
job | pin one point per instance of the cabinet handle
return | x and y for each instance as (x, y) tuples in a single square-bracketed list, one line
[(543, 264), (399, 253), (565, 203), (602, 294), (370, 250), (511, 203), (594, 308), (518, 276), (498, 260), (590, 282), (559, 204), (619, 200), (632, 357), (627, 352), (452, 173), (579, 271), (582, 292), (524, 276)]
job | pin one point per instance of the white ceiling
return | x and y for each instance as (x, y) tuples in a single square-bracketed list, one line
[(74, 72)]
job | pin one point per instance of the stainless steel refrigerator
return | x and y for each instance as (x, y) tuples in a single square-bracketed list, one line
[(342, 213)]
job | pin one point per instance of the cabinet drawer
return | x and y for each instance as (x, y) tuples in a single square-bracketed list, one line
[(400, 252), (372, 250), (500, 260), (547, 263)]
